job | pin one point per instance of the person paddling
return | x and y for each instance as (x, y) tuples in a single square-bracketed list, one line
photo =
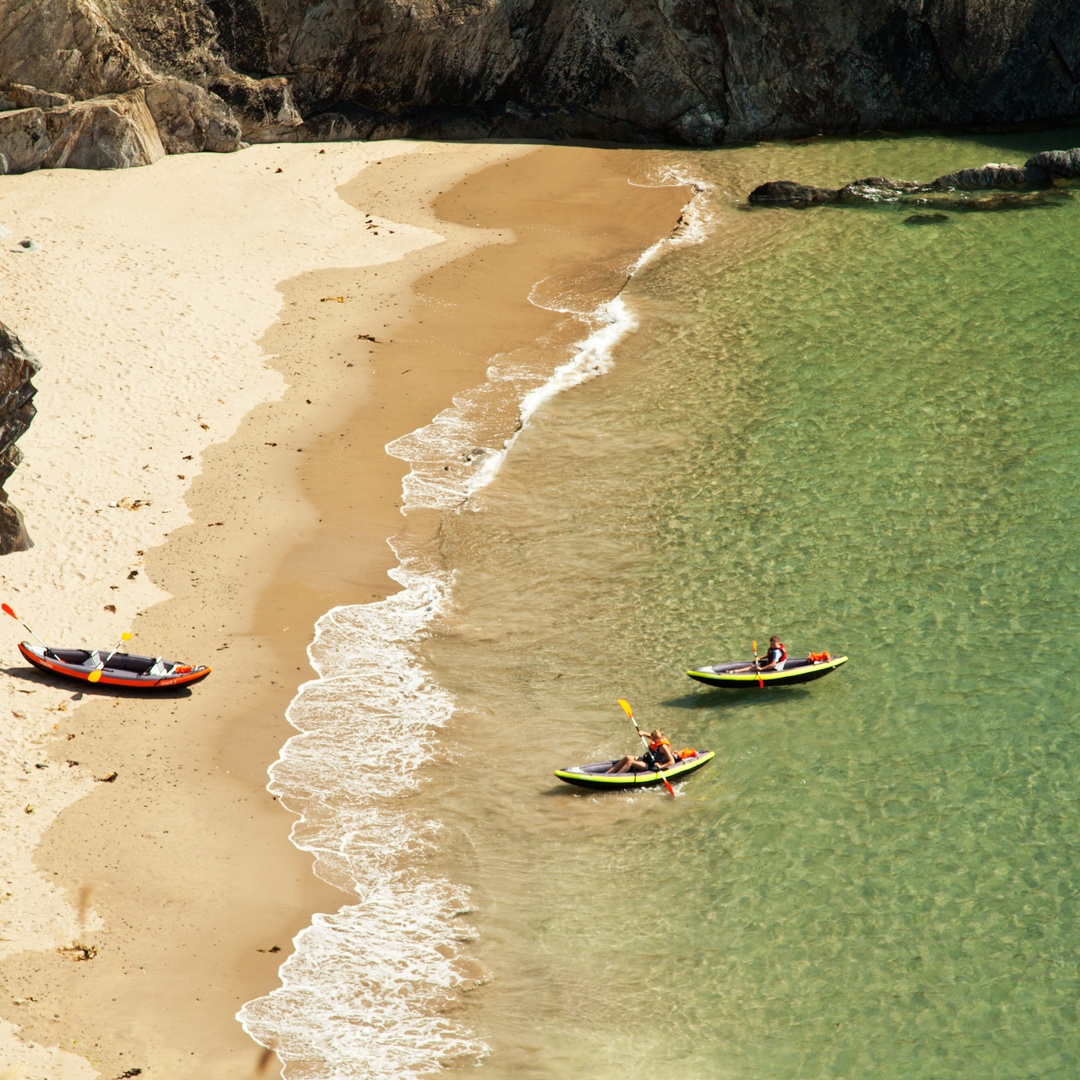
[(774, 659), (658, 756)]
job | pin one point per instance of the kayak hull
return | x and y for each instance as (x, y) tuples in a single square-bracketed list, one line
[(123, 669), (800, 670), (596, 778)]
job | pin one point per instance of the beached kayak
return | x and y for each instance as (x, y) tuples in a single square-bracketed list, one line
[(123, 669), (597, 777), (799, 670)]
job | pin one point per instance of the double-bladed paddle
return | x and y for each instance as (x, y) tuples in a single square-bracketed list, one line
[(630, 716)]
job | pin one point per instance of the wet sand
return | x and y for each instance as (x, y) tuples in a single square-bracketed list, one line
[(178, 876)]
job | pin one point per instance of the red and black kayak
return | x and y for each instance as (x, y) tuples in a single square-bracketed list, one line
[(121, 669)]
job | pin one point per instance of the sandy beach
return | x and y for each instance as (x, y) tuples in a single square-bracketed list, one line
[(227, 345)]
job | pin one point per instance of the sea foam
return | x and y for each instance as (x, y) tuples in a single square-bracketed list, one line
[(364, 993)]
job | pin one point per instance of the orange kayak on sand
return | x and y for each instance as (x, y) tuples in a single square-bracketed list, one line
[(122, 669)]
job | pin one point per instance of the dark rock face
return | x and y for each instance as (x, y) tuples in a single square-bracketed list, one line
[(680, 71), (17, 368)]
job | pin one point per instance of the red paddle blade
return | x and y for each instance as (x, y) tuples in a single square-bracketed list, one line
[(7, 610), (667, 784)]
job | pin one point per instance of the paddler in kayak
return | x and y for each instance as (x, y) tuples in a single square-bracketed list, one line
[(774, 659), (659, 755)]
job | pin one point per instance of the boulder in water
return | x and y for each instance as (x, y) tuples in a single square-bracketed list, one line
[(1059, 164), (790, 193)]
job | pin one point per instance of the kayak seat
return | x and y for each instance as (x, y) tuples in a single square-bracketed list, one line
[(157, 667), (93, 661)]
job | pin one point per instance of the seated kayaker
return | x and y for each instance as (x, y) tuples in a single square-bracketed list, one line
[(659, 755), (774, 659)]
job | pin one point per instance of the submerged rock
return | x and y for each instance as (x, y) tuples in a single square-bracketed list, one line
[(997, 201), (927, 219)]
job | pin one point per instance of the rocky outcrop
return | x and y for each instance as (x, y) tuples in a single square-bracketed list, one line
[(679, 71), (263, 107), (24, 140), (76, 92), (1013, 187), (190, 119), (17, 368), (114, 132)]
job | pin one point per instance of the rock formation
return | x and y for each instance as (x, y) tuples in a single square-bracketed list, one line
[(17, 368), (1012, 187), (679, 71)]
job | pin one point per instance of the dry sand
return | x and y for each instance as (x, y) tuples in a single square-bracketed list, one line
[(205, 328)]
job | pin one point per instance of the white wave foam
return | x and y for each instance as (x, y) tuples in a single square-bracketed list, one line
[(447, 466), (694, 221), (362, 996)]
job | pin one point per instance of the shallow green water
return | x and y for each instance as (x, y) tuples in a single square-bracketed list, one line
[(861, 436)]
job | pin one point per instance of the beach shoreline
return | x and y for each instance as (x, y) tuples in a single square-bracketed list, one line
[(180, 874)]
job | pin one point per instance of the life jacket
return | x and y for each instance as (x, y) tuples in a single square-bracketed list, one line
[(654, 756), (819, 657), (776, 659)]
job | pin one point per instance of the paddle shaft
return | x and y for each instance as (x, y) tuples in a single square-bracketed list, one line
[(7, 610), (95, 675), (760, 680)]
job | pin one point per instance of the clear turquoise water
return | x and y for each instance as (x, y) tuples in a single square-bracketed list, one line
[(860, 435)]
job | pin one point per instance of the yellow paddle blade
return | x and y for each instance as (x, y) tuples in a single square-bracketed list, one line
[(626, 708), (94, 676)]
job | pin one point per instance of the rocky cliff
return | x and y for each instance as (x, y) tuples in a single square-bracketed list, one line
[(175, 75), (17, 368)]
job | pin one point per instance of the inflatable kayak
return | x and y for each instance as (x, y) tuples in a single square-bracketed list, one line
[(122, 669), (597, 776), (799, 670)]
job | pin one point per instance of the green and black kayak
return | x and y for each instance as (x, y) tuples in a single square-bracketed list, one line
[(800, 670), (598, 778)]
